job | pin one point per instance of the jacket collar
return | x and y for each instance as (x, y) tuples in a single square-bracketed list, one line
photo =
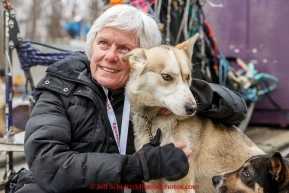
[(73, 67)]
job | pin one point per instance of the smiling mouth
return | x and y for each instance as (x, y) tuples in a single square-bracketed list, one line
[(109, 70)]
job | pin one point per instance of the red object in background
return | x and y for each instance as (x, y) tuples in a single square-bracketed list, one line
[(142, 4), (6, 4)]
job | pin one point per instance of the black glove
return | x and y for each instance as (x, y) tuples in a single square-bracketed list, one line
[(218, 102), (154, 162), (203, 94), (20, 179)]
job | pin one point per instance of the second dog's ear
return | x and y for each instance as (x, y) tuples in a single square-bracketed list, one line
[(276, 167), (135, 56), (188, 45)]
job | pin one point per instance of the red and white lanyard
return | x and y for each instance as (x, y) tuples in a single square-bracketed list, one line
[(121, 140)]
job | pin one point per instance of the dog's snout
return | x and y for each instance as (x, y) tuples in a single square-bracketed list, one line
[(190, 108), (216, 180)]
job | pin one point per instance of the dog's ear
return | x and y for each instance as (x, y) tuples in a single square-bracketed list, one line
[(276, 166), (188, 45), (136, 56)]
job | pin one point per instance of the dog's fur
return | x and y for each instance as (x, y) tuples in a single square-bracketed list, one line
[(260, 174), (160, 77)]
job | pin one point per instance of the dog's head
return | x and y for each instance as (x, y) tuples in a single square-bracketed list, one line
[(260, 174), (161, 76)]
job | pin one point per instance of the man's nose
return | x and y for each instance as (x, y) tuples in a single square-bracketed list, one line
[(111, 54)]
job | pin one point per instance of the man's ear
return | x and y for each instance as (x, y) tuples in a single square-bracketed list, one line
[(188, 45), (136, 57), (276, 166)]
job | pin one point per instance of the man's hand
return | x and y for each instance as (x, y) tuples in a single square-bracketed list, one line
[(182, 145), (153, 162)]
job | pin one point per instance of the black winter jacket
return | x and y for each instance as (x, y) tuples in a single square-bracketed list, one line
[(69, 144)]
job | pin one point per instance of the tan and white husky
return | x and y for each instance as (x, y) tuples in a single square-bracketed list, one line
[(160, 77)]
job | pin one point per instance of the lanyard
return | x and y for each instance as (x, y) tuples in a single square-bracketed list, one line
[(121, 140)]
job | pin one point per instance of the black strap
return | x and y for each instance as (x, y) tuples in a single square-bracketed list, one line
[(144, 166), (283, 112)]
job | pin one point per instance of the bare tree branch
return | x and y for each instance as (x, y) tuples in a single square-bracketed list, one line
[(35, 14), (54, 27), (95, 10)]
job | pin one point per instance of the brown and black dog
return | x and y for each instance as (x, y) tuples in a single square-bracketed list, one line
[(267, 173)]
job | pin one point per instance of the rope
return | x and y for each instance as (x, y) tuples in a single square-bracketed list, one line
[(168, 39), (183, 26), (146, 7), (153, 13), (253, 92), (282, 111), (192, 18), (46, 45), (262, 77), (157, 7), (29, 56), (186, 17), (224, 68), (200, 26)]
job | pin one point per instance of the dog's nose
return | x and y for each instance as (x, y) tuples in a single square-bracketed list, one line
[(190, 108), (216, 180)]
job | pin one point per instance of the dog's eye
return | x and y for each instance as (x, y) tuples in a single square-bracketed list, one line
[(188, 78), (167, 77), (246, 174)]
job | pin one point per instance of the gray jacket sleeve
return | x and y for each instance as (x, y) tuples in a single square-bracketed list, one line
[(56, 168), (218, 102)]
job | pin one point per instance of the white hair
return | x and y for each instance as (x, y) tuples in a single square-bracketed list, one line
[(126, 18)]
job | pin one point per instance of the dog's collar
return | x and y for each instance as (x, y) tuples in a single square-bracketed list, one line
[(148, 125)]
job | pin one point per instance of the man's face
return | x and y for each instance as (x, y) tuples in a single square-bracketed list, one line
[(106, 65)]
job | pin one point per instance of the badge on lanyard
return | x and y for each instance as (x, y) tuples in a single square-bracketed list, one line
[(121, 140)]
